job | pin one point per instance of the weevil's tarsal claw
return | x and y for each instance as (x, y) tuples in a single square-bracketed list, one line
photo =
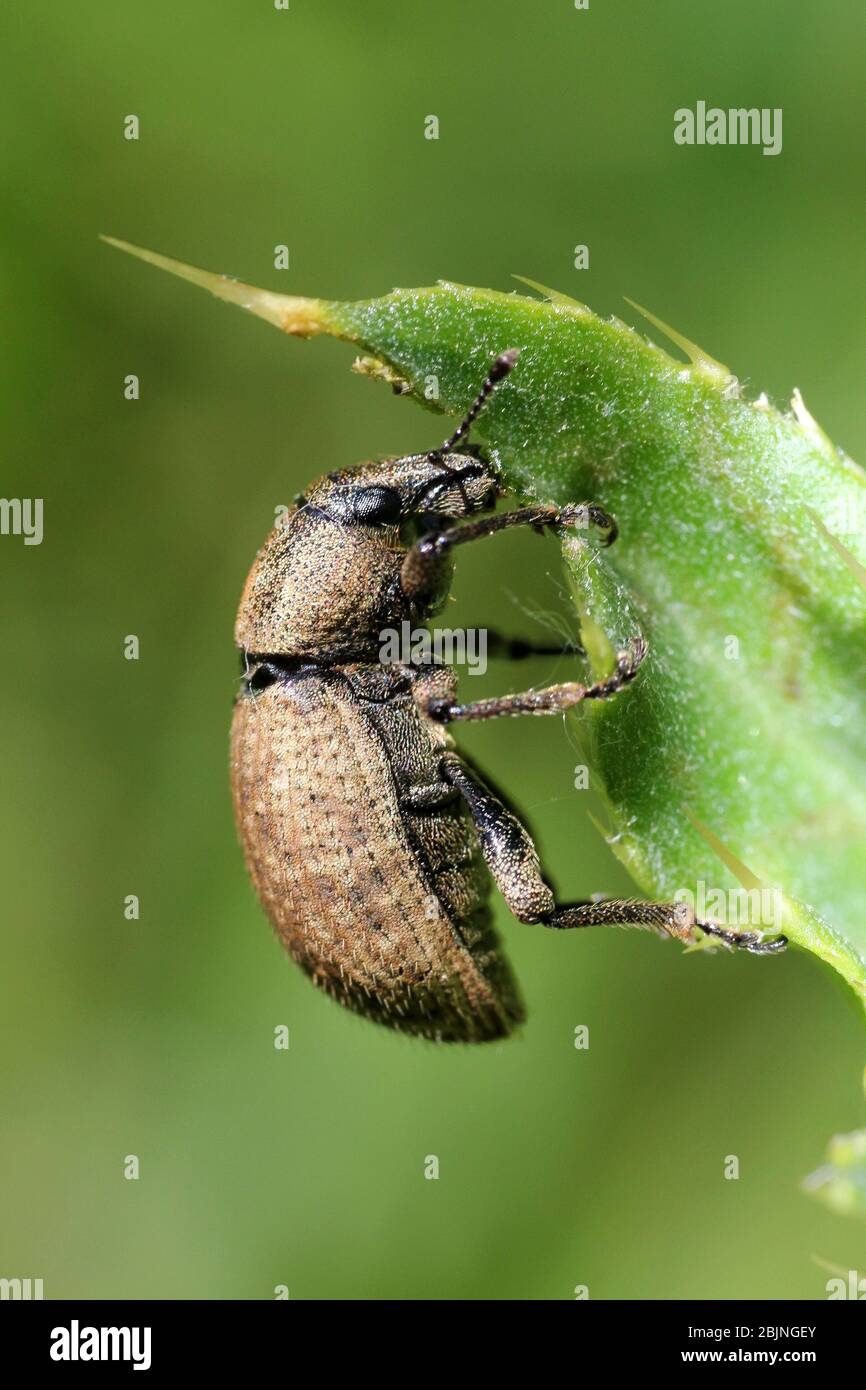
[(630, 661), (752, 941), (580, 515), (768, 946)]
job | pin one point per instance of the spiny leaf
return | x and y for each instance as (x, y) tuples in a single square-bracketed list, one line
[(748, 721)]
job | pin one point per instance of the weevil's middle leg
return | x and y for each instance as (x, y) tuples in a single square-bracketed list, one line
[(551, 700), (513, 861), (520, 648)]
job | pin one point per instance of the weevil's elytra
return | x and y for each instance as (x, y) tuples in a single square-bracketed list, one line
[(370, 841), (378, 892)]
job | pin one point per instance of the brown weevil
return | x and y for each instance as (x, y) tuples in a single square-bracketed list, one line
[(370, 840)]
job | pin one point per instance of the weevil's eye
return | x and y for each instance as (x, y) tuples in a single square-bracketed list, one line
[(376, 506)]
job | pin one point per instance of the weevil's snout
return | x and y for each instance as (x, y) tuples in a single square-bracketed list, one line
[(463, 486), (450, 487)]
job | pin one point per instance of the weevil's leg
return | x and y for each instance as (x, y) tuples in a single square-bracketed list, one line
[(677, 919), (519, 648), (753, 941), (538, 516), (513, 861), (424, 562), (507, 847), (552, 700)]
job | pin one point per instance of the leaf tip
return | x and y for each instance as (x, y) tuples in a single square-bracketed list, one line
[(293, 314)]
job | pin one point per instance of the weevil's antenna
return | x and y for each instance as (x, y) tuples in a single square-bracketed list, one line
[(501, 367)]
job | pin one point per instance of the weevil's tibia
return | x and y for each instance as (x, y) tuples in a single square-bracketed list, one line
[(425, 560), (499, 369), (674, 918), (538, 517), (553, 699), (520, 648)]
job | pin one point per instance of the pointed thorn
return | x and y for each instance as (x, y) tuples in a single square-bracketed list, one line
[(699, 358), (290, 313)]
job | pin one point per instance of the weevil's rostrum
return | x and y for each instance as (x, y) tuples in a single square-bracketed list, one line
[(370, 840)]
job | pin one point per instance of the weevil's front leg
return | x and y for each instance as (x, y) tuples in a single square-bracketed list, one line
[(426, 560), (551, 700), (513, 861)]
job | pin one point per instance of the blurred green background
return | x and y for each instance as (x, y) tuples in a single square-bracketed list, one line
[(306, 1168)]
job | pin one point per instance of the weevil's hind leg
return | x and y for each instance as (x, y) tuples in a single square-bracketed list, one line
[(677, 919), (506, 845), (751, 941), (513, 861), (551, 700)]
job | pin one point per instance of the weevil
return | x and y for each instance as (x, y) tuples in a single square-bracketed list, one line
[(371, 840)]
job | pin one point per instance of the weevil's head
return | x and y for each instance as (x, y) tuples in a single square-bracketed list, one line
[(326, 583)]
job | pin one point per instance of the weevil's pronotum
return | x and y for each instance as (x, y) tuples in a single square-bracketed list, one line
[(370, 839)]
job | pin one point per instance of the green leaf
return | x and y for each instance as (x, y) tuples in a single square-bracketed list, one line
[(737, 760)]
